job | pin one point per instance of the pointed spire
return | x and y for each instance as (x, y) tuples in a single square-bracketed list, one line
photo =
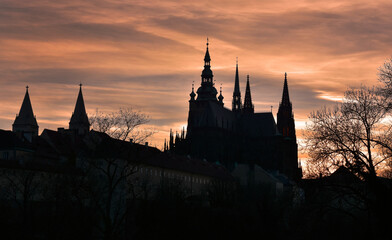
[(207, 91), (25, 121), (285, 95), (236, 93), (285, 117), (207, 57), (79, 120), (248, 105)]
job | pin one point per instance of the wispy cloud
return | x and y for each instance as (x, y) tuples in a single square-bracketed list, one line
[(146, 54)]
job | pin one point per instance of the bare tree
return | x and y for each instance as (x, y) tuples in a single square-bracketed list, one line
[(110, 168), (351, 134), (124, 124), (385, 75), (22, 187)]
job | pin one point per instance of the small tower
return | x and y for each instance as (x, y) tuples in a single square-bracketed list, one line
[(236, 93), (248, 105), (285, 118), (192, 94), (79, 120), (220, 97), (25, 122)]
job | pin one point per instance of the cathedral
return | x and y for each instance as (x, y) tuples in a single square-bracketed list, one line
[(238, 136)]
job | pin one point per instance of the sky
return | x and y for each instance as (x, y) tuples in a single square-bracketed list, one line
[(145, 55)]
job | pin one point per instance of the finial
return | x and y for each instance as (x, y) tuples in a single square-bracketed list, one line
[(271, 108), (236, 60), (27, 87), (285, 76), (247, 77), (207, 42), (221, 89)]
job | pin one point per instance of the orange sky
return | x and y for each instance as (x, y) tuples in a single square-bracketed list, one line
[(146, 54)]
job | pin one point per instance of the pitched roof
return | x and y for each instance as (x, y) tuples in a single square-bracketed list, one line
[(259, 124), (216, 115)]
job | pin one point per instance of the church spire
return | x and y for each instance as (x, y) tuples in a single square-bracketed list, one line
[(207, 58), (248, 106), (79, 120), (236, 107), (285, 117), (207, 91), (25, 121), (285, 96)]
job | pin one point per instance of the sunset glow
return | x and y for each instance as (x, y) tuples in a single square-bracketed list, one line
[(146, 54)]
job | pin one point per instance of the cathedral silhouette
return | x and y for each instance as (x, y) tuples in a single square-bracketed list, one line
[(238, 136)]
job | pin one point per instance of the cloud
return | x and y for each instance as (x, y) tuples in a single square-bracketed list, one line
[(147, 54)]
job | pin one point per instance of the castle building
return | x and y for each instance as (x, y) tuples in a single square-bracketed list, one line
[(239, 135)]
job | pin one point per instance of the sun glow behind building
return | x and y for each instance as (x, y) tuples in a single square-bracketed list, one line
[(147, 55)]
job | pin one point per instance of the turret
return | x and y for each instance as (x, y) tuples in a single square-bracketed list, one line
[(220, 98), (25, 122), (79, 120)]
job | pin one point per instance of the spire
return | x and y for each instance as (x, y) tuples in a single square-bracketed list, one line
[(248, 106), (236, 107), (285, 118), (79, 120), (285, 96), (206, 76), (207, 91), (207, 58), (25, 121)]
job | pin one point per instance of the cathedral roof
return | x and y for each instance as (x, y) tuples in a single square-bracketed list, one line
[(216, 115), (259, 124), (26, 115)]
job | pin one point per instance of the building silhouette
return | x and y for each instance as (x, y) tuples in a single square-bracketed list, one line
[(239, 135)]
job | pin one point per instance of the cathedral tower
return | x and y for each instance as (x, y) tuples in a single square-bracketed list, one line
[(285, 118), (79, 120), (25, 122), (236, 93)]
